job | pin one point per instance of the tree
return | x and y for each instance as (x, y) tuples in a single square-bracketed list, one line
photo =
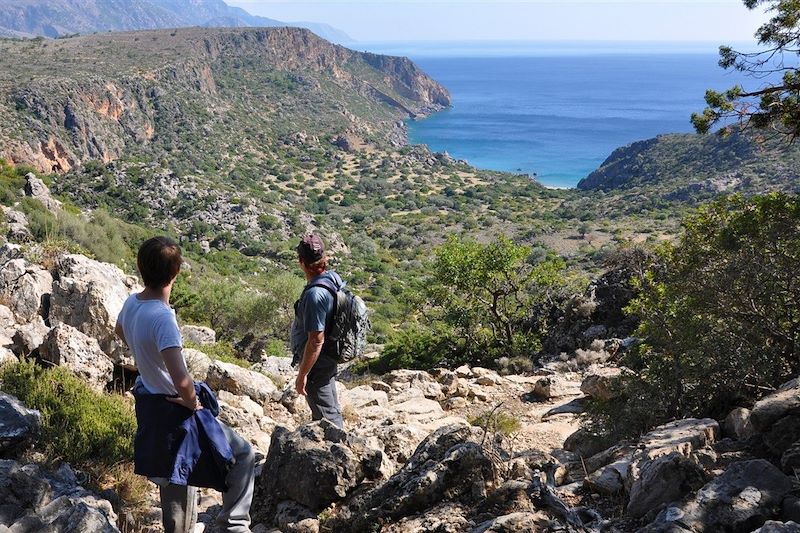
[(776, 105), (480, 302), (720, 315)]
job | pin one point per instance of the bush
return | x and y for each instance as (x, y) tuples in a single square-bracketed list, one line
[(496, 421), (78, 424), (720, 315), (479, 303)]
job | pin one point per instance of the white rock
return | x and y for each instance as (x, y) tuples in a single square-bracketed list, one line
[(241, 381), (464, 372), (197, 363), (366, 396), (25, 287), (89, 296), (28, 338), (200, 335), (66, 346)]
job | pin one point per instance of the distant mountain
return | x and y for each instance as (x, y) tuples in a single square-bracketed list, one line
[(56, 18)]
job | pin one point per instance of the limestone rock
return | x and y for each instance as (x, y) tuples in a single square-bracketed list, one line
[(291, 517), (747, 494), (445, 518), (276, 366), (448, 466), (415, 379), (25, 288), (293, 402), (199, 335), (197, 363), (520, 522), (770, 409), (35, 500), (18, 424), (737, 424), (238, 380), (661, 481), (89, 295), (365, 396), (28, 339), (17, 224), (464, 371), (36, 189), (420, 410), (554, 387), (66, 346), (600, 384), (316, 465), (451, 404), (778, 527), (7, 356)]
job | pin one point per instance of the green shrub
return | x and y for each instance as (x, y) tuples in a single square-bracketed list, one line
[(720, 316), (496, 421), (78, 424)]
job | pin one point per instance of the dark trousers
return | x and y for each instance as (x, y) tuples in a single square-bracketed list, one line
[(323, 400)]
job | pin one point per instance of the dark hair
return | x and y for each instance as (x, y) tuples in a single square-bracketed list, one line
[(159, 261)]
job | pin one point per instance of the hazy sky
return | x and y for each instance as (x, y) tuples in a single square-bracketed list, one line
[(670, 20)]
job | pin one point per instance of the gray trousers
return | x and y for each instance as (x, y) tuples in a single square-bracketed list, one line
[(323, 400), (179, 502)]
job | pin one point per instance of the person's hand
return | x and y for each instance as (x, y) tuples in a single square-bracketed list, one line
[(300, 384), (196, 406)]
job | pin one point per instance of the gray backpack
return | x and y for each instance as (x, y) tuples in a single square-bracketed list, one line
[(347, 328)]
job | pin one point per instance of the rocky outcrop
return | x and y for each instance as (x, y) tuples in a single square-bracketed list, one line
[(199, 335), (68, 347), (18, 424), (238, 380), (24, 287), (314, 466), (741, 499), (89, 295), (36, 500)]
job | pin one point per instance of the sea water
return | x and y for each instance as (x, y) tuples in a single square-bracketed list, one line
[(556, 111)]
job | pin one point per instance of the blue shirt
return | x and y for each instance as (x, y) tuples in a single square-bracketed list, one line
[(313, 311)]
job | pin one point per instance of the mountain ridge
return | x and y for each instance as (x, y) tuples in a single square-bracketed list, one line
[(58, 18)]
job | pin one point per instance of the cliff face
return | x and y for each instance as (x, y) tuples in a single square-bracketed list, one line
[(120, 92)]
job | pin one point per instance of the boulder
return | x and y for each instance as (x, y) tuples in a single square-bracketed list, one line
[(419, 410), (291, 517), (445, 518), (772, 526), (663, 480), (452, 404), (8, 326), (402, 380), (770, 409), (18, 424), (25, 288), (293, 402), (521, 522), (738, 501), (737, 424), (452, 385), (17, 224), (554, 387), (247, 418), (782, 435), (276, 366), (199, 335), (89, 295), (599, 385), (35, 188), (198, 363), (28, 339), (314, 466), (66, 346), (241, 381), (364, 396), (36, 500), (398, 441), (464, 371), (448, 466), (7, 356), (584, 443)]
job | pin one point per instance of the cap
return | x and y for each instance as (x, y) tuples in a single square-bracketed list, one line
[(311, 248)]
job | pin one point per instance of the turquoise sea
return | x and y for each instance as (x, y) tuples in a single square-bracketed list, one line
[(557, 110)]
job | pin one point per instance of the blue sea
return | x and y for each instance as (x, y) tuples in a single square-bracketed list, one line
[(556, 111)]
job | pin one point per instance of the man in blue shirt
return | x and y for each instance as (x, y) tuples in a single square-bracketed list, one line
[(316, 376)]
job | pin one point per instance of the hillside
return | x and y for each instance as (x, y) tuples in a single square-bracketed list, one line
[(57, 18), (694, 168)]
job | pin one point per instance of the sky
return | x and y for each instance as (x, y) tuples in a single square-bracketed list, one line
[(534, 20)]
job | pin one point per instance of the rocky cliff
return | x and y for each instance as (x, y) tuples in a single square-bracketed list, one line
[(120, 92)]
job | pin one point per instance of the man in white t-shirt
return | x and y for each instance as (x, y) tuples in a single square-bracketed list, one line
[(148, 325)]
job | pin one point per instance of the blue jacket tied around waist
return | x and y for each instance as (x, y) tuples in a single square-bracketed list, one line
[(186, 447)]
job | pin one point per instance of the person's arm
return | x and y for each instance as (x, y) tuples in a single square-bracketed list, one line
[(173, 359), (120, 333), (310, 355)]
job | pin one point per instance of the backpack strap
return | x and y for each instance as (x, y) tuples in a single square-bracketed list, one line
[(331, 287)]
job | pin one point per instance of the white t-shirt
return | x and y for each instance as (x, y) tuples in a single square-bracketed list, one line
[(150, 327)]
